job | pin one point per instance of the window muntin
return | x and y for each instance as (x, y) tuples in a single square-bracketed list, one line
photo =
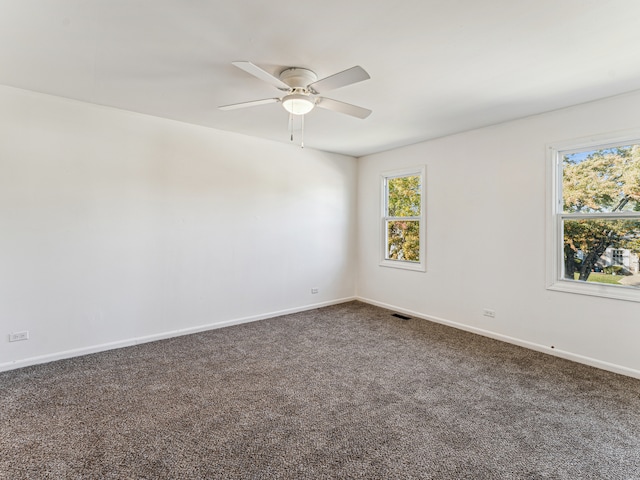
[(403, 226), (595, 230)]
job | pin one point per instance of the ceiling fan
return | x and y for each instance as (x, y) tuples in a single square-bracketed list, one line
[(302, 91)]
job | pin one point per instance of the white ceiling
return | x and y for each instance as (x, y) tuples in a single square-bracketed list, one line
[(437, 66)]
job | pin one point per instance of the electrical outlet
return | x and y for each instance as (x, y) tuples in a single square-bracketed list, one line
[(314, 290), (487, 312), (17, 336)]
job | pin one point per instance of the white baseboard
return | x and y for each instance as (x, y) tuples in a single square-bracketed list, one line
[(77, 352), (611, 367)]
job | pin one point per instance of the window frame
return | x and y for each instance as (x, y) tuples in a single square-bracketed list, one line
[(420, 266), (555, 216)]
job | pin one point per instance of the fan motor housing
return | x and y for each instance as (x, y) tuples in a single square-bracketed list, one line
[(298, 77)]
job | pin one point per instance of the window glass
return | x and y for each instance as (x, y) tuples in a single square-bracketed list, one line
[(404, 196), (403, 240), (602, 251), (606, 180)]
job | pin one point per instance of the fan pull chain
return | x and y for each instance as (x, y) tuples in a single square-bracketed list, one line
[(291, 125), (292, 128)]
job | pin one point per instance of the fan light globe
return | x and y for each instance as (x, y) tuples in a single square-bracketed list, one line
[(297, 104)]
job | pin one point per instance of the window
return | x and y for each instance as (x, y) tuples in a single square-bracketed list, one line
[(594, 216), (403, 219), (618, 256)]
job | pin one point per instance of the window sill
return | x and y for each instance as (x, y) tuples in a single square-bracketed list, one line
[(402, 265), (621, 292)]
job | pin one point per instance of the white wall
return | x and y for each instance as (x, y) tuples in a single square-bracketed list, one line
[(117, 227), (486, 239)]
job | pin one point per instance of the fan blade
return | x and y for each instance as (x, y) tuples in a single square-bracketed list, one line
[(336, 106), (341, 79), (261, 74), (254, 103)]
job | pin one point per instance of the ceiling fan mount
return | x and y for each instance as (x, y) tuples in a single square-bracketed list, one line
[(298, 78)]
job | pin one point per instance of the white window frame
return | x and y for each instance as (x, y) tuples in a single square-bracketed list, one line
[(421, 266), (556, 216)]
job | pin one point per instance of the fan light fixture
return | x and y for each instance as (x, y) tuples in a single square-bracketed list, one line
[(297, 104)]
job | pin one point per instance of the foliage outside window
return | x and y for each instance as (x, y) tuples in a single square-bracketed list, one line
[(596, 219), (403, 219)]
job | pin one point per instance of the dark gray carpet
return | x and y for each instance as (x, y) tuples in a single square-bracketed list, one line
[(341, 392)]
